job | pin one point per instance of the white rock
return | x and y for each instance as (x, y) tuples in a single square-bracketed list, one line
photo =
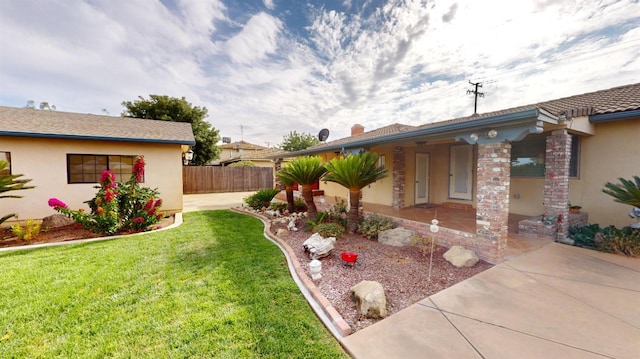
[(281, 232), (461, 257), (370, 299), (317, 246)]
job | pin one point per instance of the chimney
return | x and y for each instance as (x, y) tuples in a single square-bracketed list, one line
[(357, 129)]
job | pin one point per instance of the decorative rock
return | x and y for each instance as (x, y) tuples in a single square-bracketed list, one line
[(292, 225), (461, 257), (317, 246), (56, 221), (397, 237), (370, 299), (282, 232)]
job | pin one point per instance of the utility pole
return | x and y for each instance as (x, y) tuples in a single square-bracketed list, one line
[(476, 93)]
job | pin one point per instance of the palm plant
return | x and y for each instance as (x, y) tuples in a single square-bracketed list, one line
[(10, 183), (625, 192), (288, 183), (355, 172), (305, 171)]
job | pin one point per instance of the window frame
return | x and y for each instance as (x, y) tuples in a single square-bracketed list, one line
[(7, 157), (101, 163), (574, 164)]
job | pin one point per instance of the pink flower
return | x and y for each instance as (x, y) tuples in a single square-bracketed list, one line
[(109, 195), (138, 168), (138, 220), (107, 179), (160, 215), (158, 203), (56, 203), (149, 204)]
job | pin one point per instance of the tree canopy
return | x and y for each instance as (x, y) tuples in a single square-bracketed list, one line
[(295, 141), (165, 108)]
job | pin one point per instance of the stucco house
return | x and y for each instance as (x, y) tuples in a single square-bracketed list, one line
[(64, 153), (528, 161)]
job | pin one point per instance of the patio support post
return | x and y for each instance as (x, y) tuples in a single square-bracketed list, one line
[(556, 181), (492, 207), (399, 170)]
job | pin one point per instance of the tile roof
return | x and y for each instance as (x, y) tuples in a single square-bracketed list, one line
[(379, 132), (264, 154), (617, 99), (16, 121)]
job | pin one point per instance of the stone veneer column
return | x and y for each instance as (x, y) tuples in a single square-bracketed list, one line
[(556, 180), (399, 170), (492, 207)]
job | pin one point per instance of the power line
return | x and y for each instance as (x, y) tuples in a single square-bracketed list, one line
[(476, 94)]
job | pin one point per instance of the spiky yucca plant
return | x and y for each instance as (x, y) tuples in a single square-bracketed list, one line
[(626, 192), (305, 171), (355, 172), (11, 183)]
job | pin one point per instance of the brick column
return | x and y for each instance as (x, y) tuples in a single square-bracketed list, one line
[(556, 181), (399, 170), (492, 208)]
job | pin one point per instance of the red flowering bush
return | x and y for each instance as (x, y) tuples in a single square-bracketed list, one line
[(117, 207)]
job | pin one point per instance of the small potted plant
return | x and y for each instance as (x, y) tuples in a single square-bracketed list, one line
[(574, 209)]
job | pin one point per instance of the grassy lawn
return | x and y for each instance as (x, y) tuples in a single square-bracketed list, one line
[(213, 287)]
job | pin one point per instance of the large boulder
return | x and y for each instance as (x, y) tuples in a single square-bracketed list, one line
[(56, 221), (461, 257), (370, 299), (318, 246), (398, 237)]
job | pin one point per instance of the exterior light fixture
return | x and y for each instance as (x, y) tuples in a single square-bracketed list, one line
[(474, 137), (315, 267), (187, 157), (492, 134)]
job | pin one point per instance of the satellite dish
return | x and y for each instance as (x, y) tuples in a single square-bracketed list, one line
[(323, 135)]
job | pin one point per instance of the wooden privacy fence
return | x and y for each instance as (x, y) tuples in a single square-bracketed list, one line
[(215, 179)]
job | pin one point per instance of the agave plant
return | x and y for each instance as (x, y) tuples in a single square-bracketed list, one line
[(11, 183), (355, 172), (305, 171), (626, 192)]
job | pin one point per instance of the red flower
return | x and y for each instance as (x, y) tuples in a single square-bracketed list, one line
[(109, 195), (138, 168), (138, 220), (149, 204), (56, 203), (107, 179), (99, 210)]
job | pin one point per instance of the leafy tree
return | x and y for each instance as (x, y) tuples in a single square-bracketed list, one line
[(165, 108), (305, 171), (625, 192), (243, 163), (355, 172), (288, 183), (295, 141), (9, 183)]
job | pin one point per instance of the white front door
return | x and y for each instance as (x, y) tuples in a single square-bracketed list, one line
[(422, 178), (460, 175)]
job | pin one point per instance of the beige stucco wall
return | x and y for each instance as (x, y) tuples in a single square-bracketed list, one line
[(44, 161), (611, 153)]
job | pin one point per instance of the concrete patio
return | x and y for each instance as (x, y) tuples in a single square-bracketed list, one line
[(556, 302)]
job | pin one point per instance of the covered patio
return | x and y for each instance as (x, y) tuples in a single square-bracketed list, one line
[(459, 219)]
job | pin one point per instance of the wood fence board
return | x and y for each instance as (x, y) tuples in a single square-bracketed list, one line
[(216, 179)]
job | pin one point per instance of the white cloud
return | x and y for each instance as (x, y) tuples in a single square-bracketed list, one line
[(257, 39), (406, 61)]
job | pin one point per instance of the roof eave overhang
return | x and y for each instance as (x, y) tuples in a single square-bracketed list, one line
[(614, 116), (511, 127), (96, 138)]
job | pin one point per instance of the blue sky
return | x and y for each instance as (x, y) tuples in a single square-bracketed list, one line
[(266, 67)]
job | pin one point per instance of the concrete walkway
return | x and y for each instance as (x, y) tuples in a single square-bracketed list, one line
[(556, 302), (205, 201)]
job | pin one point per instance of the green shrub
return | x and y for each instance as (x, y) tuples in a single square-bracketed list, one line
[(619, 241), (374, 224), (310, 225), (329, 230), (278, 206), (243, 164), (299, 205), (262, 198), (338, 213), (28, 232), (583, 236)]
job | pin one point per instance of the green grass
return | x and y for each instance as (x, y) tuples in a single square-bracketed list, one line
[(213, 287)]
